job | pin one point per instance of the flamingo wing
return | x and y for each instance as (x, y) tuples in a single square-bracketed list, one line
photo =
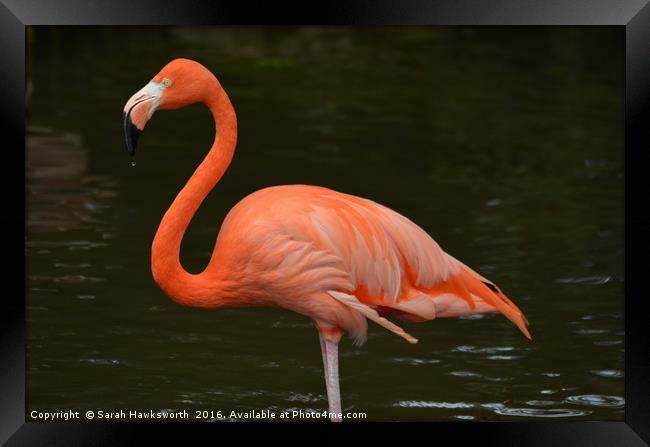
[(397, 268)]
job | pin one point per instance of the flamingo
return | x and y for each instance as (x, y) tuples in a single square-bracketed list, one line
[(339, 259)]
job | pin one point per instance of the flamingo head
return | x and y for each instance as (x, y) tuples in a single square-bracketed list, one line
[(180, 83)]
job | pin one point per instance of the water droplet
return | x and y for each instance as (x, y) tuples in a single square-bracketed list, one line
[(132, 162)]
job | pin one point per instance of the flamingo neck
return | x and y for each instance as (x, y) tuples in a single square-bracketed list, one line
[(183, 287)]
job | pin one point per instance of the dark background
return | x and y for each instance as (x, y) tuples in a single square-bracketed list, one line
[(505, 144)]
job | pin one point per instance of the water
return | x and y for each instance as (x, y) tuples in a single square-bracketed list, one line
[(505, 144)]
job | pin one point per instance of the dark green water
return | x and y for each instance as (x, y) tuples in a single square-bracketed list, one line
[(505, 144)]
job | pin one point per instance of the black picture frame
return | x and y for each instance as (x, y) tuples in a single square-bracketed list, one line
[(634, 15)]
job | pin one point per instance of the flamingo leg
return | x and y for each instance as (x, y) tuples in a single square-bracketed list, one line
[(330, 351), (323, 350)]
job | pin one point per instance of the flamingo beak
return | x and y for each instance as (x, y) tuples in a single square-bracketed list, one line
[(137, 111)]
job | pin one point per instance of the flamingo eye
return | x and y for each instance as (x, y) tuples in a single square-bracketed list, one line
[(166, 82)]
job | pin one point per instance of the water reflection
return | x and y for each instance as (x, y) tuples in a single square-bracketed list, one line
[(61, 194)]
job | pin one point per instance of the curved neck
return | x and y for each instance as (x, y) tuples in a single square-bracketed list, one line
[(183, 287)]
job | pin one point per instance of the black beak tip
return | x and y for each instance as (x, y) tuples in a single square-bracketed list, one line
[(131, 134)]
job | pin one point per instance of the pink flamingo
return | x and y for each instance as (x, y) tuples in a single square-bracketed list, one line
[(334, 257)]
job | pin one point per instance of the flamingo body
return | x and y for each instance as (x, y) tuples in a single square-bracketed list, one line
[(336, 258), (290, 246)]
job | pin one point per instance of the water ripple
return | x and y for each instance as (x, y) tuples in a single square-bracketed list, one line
[(101, 361), (464, 374), (429, 404), (415, 362), (72, 266), (536, 412), (489, 350), (68, 279), (607, 373), (71, 245), (270, 365), (41, 289), (597, 400), (591, 280), (541, 403), (608, 342), (295, 397), (591, 331)]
